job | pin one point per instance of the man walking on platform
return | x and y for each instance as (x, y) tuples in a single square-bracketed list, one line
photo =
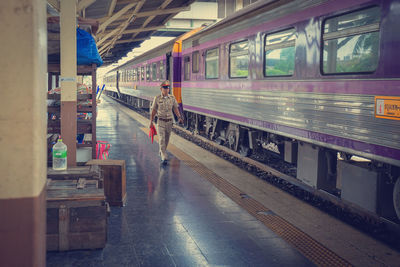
[(162, 106)]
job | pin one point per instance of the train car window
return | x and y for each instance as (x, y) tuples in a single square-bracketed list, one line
[(142, 73), (351, 42), (195, 62), (148, 73), (186, 67), (157, 71), (212, 63), (134, 75), (279, 53), (154, 71), (239, 60), (162, 73)]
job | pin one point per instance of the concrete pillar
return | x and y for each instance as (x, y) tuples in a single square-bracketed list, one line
[(23, 127), (68, 77)]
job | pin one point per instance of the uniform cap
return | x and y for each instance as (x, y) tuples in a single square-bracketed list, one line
[(165, 83)]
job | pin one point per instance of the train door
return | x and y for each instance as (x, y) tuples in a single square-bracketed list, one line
[(168, 67)]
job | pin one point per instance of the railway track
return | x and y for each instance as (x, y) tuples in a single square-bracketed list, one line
[(282, 175)]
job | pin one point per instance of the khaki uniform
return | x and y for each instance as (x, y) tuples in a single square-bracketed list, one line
[(164, 106)]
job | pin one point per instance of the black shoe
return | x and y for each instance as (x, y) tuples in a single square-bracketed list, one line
[(164, 162)]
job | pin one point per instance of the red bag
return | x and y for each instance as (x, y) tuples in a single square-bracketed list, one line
[(152, 132), (102, 149)]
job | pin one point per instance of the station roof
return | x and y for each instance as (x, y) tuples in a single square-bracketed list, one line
[(122, 25)]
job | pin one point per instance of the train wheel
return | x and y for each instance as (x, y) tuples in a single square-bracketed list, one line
[(233, 136), (396, 197), (232, 140), (244, 150), (219, 141), (186, 123)]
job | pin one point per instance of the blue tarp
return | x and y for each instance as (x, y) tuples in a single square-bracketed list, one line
[(86, 49)]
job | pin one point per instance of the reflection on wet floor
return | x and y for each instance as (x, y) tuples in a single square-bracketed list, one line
[(173, 217)]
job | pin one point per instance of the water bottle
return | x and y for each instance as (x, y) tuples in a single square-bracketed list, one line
[(59, 155)]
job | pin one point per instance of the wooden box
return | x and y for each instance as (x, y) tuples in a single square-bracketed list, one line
[(74, 173), (114, 178), (76, 215)]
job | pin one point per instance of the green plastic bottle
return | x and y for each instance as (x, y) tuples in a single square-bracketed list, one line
[(59, 155)]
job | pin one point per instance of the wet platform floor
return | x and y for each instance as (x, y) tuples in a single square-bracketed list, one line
[(203, 211), (173, 216)]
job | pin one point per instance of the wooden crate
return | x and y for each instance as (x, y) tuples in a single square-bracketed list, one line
[(71, 184), (73, 173), (114, 177), (76, 215)]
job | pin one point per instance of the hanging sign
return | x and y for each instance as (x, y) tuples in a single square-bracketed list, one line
[(67, 79)]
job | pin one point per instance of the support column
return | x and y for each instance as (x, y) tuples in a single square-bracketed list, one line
[(68, 78), (23, 126)]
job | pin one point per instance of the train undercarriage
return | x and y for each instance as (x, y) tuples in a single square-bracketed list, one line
[(371, 185)]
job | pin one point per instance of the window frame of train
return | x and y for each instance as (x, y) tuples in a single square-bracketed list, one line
[(134, 74), (161, 70), (186, 68), (334, 34), (273, 42), (142, 73), (235, 53), (195, 62), (148, 72), (209, 59), (154, 71)]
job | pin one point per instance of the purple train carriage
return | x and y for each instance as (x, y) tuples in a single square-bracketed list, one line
[(316, 82)]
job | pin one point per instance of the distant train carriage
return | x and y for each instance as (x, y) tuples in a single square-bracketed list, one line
[(306, 79), (138, 81)]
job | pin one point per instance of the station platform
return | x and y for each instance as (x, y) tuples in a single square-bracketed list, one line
[(200, 210)]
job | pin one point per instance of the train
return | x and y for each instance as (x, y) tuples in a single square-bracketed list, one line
[(316, 82)]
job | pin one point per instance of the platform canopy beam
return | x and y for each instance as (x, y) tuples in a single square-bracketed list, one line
[(122, 25)]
